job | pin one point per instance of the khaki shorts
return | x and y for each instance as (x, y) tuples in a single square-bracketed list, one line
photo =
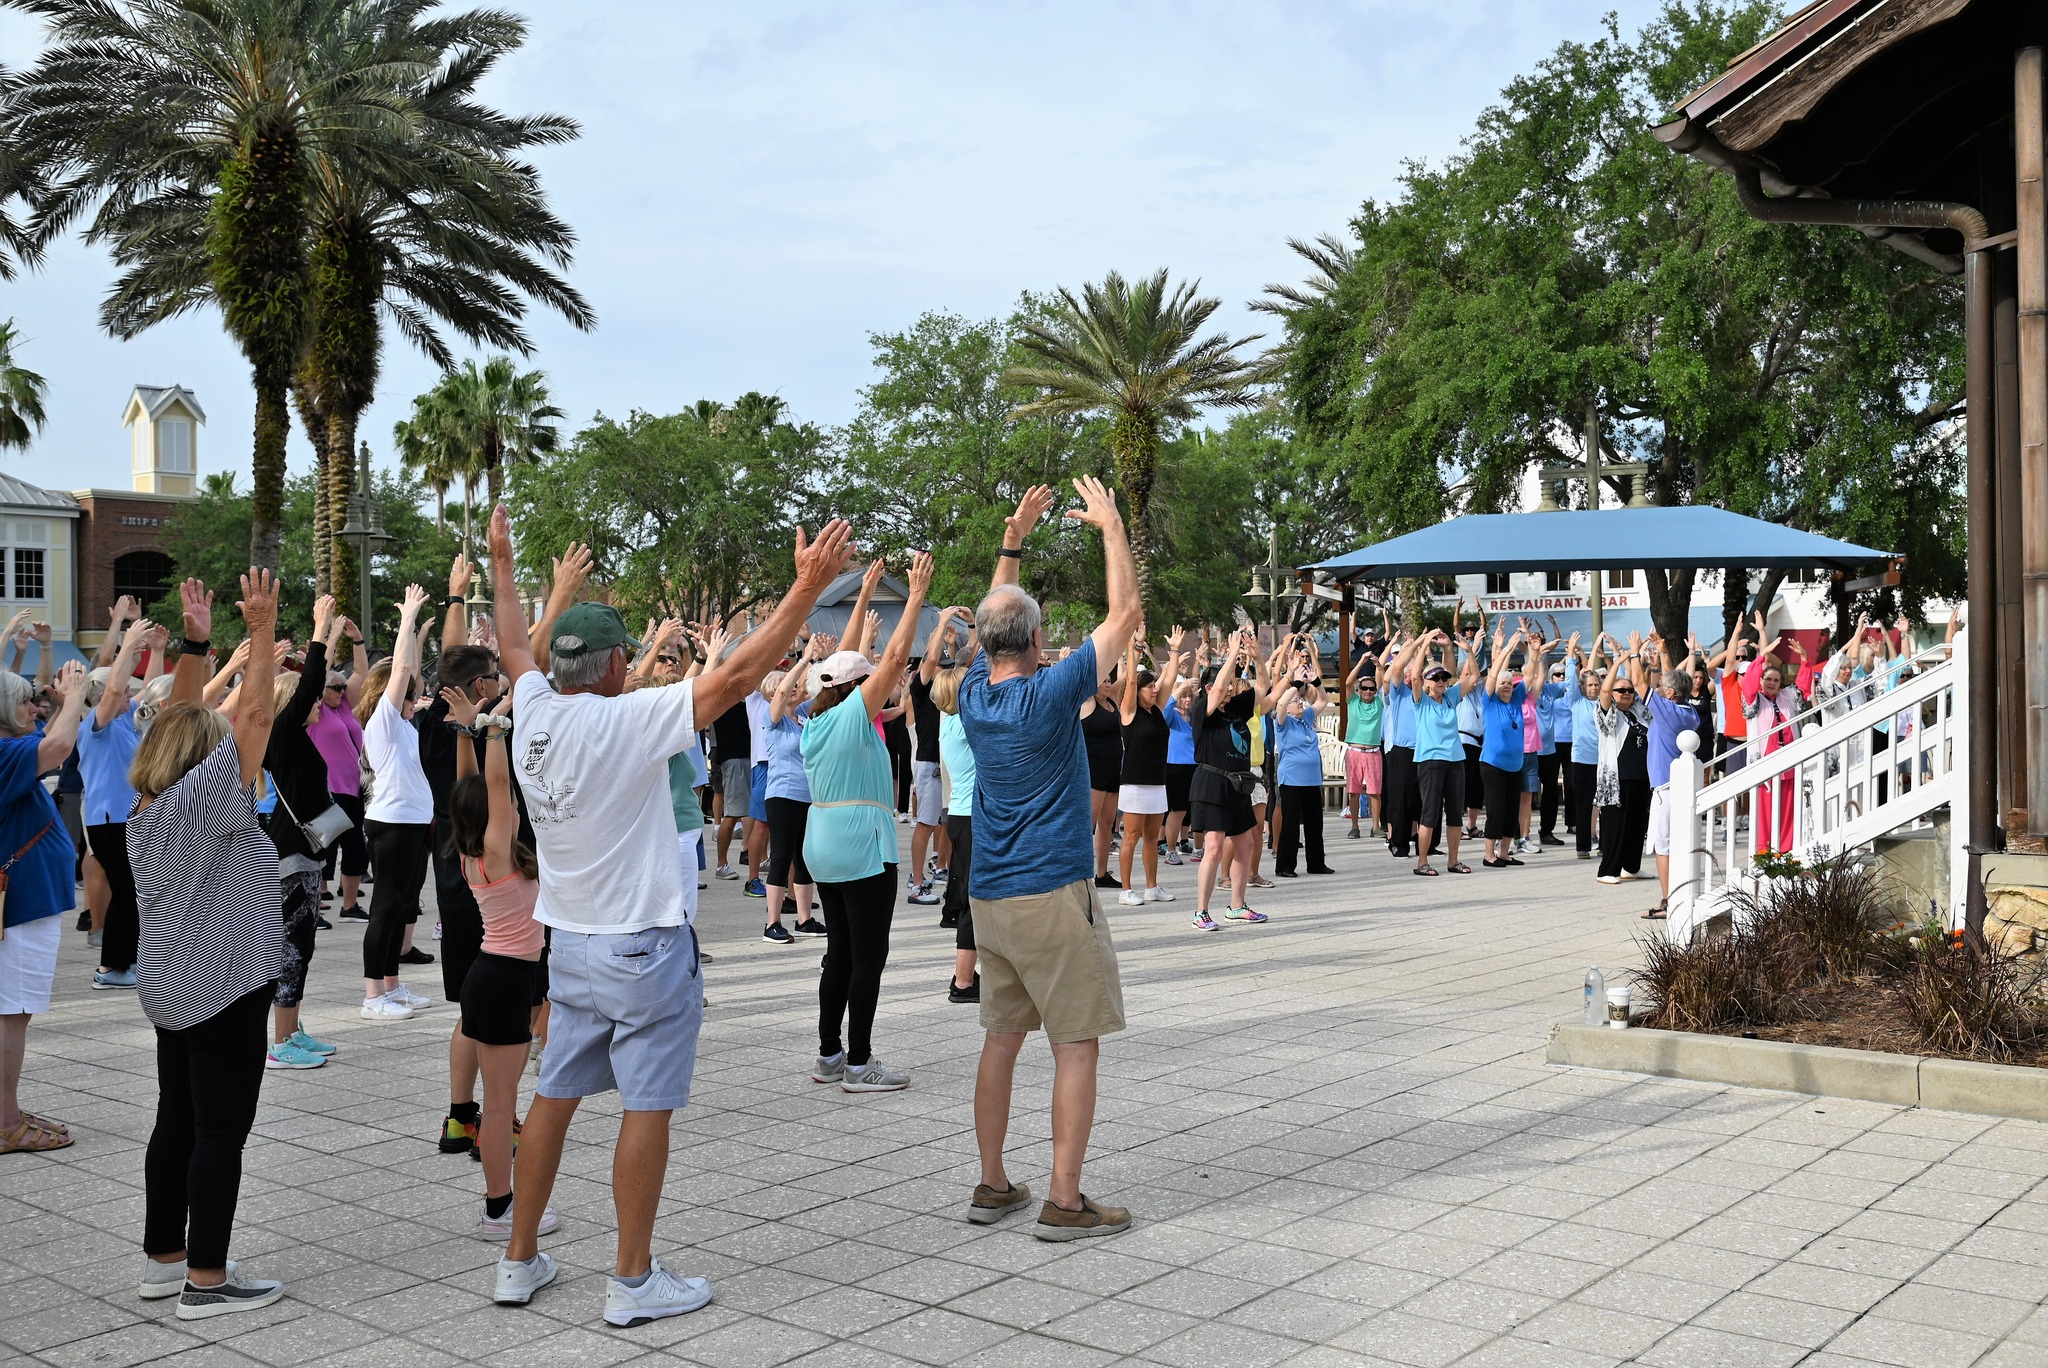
[(1048, 960)]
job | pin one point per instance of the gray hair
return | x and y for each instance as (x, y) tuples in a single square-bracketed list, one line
[(14, 691), (1007, 623), (582, 670)]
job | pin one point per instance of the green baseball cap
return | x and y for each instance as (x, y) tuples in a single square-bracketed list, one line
[(597, 625)]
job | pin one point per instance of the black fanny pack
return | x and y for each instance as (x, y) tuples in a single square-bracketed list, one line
[(1240, 781)]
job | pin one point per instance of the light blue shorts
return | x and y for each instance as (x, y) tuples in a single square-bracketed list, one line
[(626, 1013)]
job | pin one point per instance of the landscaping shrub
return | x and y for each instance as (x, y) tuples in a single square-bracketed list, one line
[(1967, 998)]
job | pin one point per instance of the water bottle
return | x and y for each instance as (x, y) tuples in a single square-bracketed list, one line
[(1596, 997)]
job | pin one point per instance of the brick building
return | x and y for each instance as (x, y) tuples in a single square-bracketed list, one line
[(120, 532)]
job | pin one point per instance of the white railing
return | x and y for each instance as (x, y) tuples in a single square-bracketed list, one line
[(1836, 787)]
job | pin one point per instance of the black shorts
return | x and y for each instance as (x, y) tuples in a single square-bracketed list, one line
[(1442, 783), (1231, 817), (1105, 772), (1503, 803), (497, 1000), (1475, 783), (1178, 777)]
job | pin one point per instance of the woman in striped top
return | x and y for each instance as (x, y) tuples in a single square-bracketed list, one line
[(212, 946)]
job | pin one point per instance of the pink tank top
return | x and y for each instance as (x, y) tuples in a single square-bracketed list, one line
[(507, 908)]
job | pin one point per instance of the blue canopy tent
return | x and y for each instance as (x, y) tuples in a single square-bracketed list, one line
[(1604, 539)]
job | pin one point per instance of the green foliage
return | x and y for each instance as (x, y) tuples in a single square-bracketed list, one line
[(21, 395), (682, 514), (1803, 375), (208, 536)]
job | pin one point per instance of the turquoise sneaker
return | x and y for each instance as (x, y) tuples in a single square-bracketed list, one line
[(308, 1044), (285, 1055)]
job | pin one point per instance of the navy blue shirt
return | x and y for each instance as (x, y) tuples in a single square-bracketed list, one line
[(1031, 813)]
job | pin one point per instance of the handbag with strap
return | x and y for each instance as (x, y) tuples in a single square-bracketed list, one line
[(327, 826), (26, 847)]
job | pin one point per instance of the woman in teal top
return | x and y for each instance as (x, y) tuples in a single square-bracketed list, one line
[(850, 845)]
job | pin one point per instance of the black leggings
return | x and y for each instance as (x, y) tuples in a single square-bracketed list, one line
[(352, 850), (1399, 796), (1550, 772), (1622, 829), (788, 819), (1301, 823), (857, 917), (207, 1078), (301, 906), (960, 831), (1503, 801), (401, 850), (109, 841), (1580, 790)]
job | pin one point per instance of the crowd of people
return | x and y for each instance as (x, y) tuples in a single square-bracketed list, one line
[(559, 781)]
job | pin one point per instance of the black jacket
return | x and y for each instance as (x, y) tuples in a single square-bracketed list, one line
[(296, 766)]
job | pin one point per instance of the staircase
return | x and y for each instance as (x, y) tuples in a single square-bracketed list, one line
[(1844, 791)]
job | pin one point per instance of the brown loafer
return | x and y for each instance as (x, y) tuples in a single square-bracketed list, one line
[(1057, 1223), (990, 1206)]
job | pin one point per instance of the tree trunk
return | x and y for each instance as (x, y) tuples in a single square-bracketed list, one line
[(1766, 590), (266, 499), (1670, 594), (315, 424), (494, 473), (341, 483), (1134, 441), (1734, 601)]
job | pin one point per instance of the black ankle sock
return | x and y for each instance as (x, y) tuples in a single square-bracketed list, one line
[(468, 1113), (496, 1207)]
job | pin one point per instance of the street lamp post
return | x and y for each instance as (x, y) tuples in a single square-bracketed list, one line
[(1635, 473), (364, 530), (1268, 583)]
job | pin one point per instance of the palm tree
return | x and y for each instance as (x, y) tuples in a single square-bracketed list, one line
[(196, 123), (1130, 353), (498, 416), (428, 452), (1333, 259), (21, 395)]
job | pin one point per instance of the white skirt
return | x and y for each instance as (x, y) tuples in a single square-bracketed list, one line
[(28, 964), (1141, 800)]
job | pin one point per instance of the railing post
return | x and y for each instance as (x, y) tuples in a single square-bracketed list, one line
[(1961, 868), (1684, 896)]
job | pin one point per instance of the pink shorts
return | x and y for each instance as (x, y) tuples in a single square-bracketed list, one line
[(1362, 768)]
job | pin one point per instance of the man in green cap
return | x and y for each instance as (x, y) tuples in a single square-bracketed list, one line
[(624, 972)]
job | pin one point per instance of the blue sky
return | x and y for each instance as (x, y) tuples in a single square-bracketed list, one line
[(760, 187)]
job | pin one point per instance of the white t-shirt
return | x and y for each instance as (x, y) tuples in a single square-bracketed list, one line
[(595, 774), (392, 746), (757, 725)]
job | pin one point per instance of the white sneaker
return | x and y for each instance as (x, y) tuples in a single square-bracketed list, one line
[(1608, 879), (1157, 894), (517, 1282), (385, 1008), (725, 872), (411, 999), (236, 1294), (663, 1294), (1130, 897), (501, 1228), (160, 1280)]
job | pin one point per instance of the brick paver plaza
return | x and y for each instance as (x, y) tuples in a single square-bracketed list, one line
[(1336, 1132)]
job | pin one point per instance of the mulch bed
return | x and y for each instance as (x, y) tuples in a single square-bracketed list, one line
[(1863, 1013)]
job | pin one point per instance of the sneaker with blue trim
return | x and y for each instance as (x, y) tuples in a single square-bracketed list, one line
[(285, 1055), (755, 889), (1243, 914), (308, 1043), (113, 978), (778, 934), (1203, 922)]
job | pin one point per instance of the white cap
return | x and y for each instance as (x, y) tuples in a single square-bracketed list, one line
[(841, 667)]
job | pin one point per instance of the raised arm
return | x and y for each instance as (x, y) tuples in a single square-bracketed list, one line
[(515, 642), (124, 611), (1127, 705), (888, 672), (258, 703), (114, 697), (462, 716), (188, 684), (455, 622), (936, 643), (571, 569), (1169, 668), (659, 639), (818, 563), (1098, 509), (1227, 671), (405, 662), (60, 733), (1501, 652), (219, 687), (1016, 528), (46, 662), (780, 706)]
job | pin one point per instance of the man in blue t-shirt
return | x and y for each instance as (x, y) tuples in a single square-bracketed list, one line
[(1046, 954)]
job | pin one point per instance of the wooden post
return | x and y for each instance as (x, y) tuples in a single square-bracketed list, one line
[(2028, 138), (2010, 624)]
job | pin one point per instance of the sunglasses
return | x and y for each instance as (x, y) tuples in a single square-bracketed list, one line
[(1625, 689), (335, 688)]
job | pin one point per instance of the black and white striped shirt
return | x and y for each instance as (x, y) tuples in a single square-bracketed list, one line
[(206, 887)]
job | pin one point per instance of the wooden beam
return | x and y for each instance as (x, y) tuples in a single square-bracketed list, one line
[(2030, 133)]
